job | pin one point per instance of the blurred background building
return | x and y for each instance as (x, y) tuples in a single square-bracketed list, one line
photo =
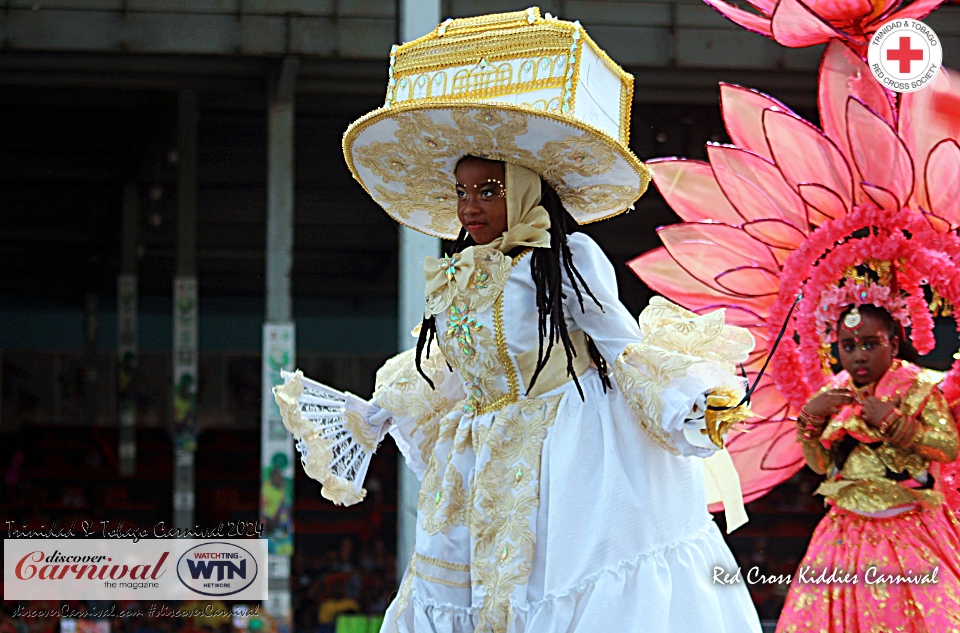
[(146, 139)]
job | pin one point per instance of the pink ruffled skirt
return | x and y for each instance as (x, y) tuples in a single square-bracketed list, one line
[(862, 575)]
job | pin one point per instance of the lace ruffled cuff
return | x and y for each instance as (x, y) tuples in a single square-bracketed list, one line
[(415, 407), (683, 358), (336, 432)]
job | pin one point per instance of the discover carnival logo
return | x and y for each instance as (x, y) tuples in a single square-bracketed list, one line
[(58, 566), (905, 55), (217, 569), (120, 569)]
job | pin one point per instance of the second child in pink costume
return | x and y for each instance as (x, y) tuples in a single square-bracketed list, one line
[(887, 555)]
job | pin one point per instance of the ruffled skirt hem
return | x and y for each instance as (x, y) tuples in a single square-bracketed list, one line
[(668, 590)]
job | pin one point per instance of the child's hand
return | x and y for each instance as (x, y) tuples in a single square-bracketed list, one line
[(825, 404), (875, 409)]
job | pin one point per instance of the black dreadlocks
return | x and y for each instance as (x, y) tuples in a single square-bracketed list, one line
[(547, 266)]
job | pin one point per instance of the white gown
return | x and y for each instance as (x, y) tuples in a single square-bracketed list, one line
[(540, 511)]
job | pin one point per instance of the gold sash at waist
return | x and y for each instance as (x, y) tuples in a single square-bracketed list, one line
[(554, 373)]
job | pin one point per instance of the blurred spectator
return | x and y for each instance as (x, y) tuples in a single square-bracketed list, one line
[(74, 497), (335, 603), (7, 623), (353, 583), (211, 622), (146, 625)]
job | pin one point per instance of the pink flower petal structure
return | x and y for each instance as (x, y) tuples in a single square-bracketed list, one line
[(780, 208), (843, 75), (927, 117), (943, 181), (691, 190), (805, 155), (750, 21), (755, 186), (743, 117), (879, 154), (796, 23)]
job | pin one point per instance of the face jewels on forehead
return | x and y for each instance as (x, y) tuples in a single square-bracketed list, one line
[(503, 189), (852, 321), (881, 341)]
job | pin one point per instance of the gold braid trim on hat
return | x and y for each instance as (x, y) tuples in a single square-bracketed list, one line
[(462, 44)]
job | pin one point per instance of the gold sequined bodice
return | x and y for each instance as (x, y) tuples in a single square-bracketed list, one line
[(879, 474)]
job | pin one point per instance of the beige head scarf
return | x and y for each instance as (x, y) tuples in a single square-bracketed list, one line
[(528, 223)]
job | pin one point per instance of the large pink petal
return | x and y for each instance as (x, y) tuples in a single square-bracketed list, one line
[(707, 250), (881, 196), (765, 455), (775, 233), (927, 117), (691, 190), (763, 6), (880, 155), (751, 21), (663, 275), (916, 10), (942, 180), (824, 203), (738, 315), (843, 12), (782, 254), (767, 401), (768, 434), (755, 186), (795, 25), (937, 223), (742, 110), (749, 281), (842, 75), (806, 156)]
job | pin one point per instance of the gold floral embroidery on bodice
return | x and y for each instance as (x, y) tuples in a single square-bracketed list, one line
[(471, 334)]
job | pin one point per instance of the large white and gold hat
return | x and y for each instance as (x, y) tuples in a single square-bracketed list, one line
[(517, 87)]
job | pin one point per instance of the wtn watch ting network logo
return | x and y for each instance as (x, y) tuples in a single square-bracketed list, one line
[(217, 569)]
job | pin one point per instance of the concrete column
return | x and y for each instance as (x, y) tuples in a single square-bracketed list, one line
[(417, 17), (91, 369), (127, 348), (185, 310), (279, 348), (280, 193)]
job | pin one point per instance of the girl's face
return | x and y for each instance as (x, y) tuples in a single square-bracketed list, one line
[(867, 352), (481, 198)]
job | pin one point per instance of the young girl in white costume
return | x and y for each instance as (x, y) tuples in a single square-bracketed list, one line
[(555, 439)]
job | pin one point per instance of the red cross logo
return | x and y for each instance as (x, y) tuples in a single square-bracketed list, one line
[(905, 54)]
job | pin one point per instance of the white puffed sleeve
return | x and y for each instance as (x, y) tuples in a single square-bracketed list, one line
[(665, 362), (415, 408)]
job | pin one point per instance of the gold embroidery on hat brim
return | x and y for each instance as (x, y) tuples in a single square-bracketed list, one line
[(588, 132)]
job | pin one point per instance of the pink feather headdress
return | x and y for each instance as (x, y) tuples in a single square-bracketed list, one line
[(854, 291)]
